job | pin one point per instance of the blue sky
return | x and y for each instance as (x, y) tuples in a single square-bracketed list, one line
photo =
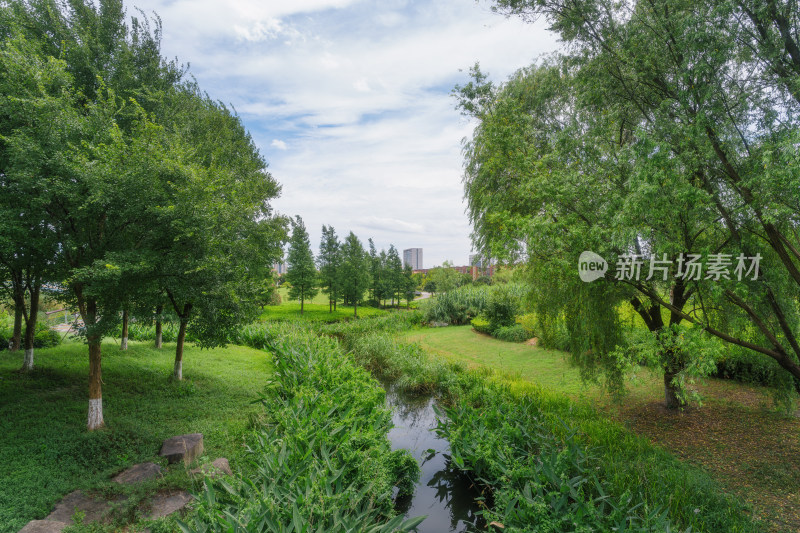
[(349, 102)]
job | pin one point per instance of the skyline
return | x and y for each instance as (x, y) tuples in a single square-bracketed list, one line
[(349, 102)]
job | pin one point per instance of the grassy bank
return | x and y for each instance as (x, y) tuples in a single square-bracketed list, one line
[(736, 436), (46, 452), (551, 463), (322, 459)]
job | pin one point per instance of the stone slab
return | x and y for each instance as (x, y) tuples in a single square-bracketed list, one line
[(78, 501), (43, 526), (166, 503), (184, 448), (138, 473)]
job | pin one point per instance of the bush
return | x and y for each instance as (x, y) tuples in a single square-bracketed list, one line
[(503, 305), (274, 298), (45, 337), (481, 325), (515, 333)]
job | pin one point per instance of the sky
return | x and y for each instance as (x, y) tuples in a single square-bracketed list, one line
[(350, 102)]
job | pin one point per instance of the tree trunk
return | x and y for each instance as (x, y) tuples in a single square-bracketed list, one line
[(124, 343), (301, 306), (30, 328), (16, 337), (178, 370), (159, 333), (330, 305), (671, 400), (95, 420), (355, 309)]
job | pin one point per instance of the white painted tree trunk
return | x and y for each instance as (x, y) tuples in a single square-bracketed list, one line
[(124, 344), (178, 370), (27, 363), (95, 414)]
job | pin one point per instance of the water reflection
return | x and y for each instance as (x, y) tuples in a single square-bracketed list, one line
[(444, 495)]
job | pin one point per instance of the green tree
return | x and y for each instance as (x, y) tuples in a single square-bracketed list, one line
[(376, 274), (328, 262), (301, 274), (409, 285), (355, 271), (676, 109), (394, 274)]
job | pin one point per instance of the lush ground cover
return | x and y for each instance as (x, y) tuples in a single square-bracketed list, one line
[(552, 464), (322, 458), (736, 435), (46, 452)]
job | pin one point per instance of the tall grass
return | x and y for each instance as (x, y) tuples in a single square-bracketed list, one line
[(322, 459), (551, 464)]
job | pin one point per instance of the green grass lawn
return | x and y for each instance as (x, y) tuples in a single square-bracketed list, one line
[(548, 368), (314, 309), (46, 451)]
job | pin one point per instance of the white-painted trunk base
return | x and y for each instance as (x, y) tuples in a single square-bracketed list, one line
[(95, 414), (124, 344), (158, 341), (178, 370), (27, 363)]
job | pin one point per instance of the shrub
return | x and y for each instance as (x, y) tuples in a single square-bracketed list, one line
[(45, 337), (457, 306), (515, 333), (481, 325), (274, 298), (503, 305)]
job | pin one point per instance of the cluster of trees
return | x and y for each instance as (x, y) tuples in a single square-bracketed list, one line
[(345, 271), (122, 183), (668, 128)]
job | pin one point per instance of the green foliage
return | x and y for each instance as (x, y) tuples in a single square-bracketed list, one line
[(301, 273), (45, 337), (321, 458), (553, 465), (457, 306), (355, 274), (515, 333), (45, 437), (329, 262), (499, 304), (481, 325)]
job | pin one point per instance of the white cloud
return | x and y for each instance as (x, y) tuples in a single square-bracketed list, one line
[(277, 143), (359, 89)]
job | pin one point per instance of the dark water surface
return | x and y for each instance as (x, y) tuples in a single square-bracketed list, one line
[(446, 497)]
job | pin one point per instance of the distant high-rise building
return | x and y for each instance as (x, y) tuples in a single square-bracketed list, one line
[(413, 258), (280, 268)]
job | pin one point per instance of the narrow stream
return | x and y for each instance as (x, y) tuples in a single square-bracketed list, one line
[(446, 497)]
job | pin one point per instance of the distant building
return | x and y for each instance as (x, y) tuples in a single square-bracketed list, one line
[(413, 258), (280, 268)]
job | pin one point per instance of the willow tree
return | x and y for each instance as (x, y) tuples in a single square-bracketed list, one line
[(711, 140)]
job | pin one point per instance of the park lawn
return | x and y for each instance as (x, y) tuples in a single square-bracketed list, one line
[(735, 435), (46, 451), (316, 309)]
